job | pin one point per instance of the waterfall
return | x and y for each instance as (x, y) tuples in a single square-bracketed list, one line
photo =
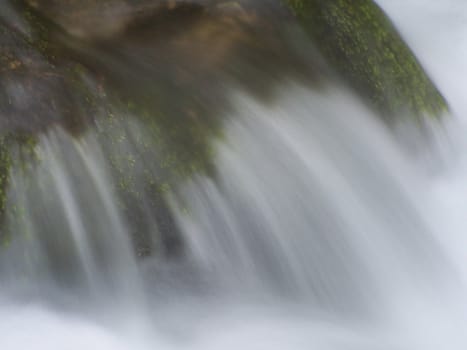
[(309, 205), (317, 226)]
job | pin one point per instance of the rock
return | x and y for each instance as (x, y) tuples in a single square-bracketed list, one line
[(364, 47), (34, 93)]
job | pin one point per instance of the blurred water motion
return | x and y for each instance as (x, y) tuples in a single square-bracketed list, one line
[(229, 203)]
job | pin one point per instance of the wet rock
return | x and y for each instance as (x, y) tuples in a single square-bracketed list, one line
[(34, 93), (169, 68), (364, 47)]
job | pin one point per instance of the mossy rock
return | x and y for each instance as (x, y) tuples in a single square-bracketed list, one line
[(16, 150), (5, 163), (364, 47), (169, 73)]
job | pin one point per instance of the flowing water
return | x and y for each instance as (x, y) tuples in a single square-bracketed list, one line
[(319, 229)]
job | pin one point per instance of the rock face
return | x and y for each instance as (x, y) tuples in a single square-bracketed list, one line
[(33, 91), (91, 18), (360, 42), (4, 172), (355, 37), (167, 74)]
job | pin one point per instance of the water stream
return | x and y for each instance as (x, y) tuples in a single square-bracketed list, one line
[(318, 230)]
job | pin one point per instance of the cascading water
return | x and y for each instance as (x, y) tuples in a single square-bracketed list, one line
[(314, 230), (308, 206)]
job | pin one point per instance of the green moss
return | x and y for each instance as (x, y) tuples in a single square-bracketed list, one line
[(16, 150), (360, 42), (5, 163)]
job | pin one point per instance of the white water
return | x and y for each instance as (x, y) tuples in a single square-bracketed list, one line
[(319, 234)]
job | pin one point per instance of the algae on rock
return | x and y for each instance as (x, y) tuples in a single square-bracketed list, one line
[(5, 162), (363, 46)]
